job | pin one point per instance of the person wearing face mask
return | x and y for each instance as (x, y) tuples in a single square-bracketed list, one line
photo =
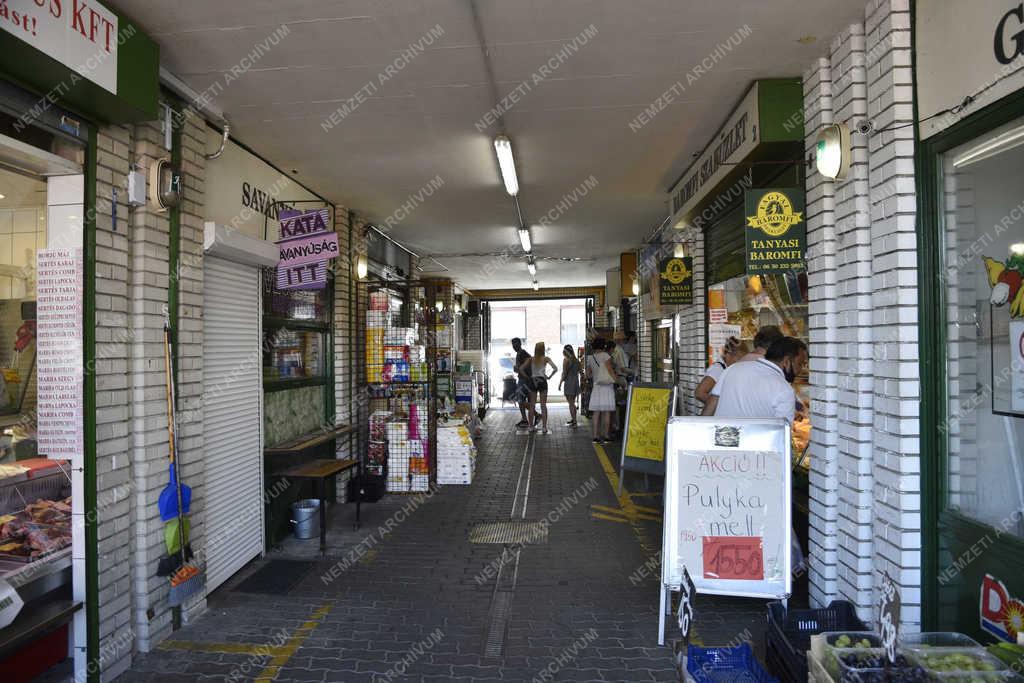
[(762, 387)]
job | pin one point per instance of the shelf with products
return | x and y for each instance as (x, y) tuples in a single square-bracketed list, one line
[(407, 364)]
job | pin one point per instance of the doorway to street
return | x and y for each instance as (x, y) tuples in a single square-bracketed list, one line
[(556, 322)]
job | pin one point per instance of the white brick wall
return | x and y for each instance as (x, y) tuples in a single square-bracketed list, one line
[(692, 325), (864, 499)]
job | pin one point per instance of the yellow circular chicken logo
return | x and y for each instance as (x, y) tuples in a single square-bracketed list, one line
[(775, 214), (675, 271)]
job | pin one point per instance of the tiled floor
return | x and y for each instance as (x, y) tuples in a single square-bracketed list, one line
[(407, 596)]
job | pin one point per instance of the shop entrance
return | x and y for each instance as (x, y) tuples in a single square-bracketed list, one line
[(42, 454), (556, 322)]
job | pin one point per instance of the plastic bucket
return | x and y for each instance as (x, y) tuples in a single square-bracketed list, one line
[(306, 518)]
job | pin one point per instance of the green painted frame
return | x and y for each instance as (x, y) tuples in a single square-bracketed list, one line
[(933, 342)]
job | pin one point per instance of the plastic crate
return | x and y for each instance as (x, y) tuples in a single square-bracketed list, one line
[(788, 637), (725, 665)]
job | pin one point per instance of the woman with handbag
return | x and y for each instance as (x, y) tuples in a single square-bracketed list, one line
[(602, 397)]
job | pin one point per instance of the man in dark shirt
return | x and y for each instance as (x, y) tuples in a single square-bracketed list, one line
[(523, 381)]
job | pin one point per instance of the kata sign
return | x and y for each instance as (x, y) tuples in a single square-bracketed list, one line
[(305, 246), (675, 277), (80, 34), (776, 234)]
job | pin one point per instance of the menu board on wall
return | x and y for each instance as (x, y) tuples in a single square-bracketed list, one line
[(727, 505), (59, 348)]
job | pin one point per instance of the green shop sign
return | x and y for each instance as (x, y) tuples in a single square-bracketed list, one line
[(80, 55), (675, 278), (776, 232)]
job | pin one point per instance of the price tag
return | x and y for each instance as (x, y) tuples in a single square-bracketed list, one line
[(687, 591), (734, 557), (10, 604), (889, 616)]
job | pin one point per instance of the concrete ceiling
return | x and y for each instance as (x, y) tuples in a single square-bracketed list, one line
[(420, 123)]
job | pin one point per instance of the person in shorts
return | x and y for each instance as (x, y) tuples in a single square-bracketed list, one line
[(570, 381), (524, 382)]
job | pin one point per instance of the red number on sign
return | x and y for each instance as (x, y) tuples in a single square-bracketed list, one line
[(734, 557)]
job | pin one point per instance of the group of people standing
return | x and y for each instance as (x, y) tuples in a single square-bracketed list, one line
[(608, 365)]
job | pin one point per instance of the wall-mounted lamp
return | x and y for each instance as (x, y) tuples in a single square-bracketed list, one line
[(361, 267), (679, 251), (636, 286), (832, 151)]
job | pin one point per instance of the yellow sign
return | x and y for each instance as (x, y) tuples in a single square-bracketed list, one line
[(646, 422), (775, 215), (676, 271)]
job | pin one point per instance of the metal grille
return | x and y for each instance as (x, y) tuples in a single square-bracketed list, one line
[(494, 645), (509, 532)]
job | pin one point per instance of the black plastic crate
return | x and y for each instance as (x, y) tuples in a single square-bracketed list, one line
[(789, 635)]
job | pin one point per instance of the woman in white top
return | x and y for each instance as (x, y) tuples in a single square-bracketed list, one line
[(537, 369), (732, 352), (602, 397)]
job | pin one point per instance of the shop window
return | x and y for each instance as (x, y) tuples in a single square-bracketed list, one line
[(983, 249)]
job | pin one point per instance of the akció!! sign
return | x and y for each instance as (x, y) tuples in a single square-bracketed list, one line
[(776, 232), (306, 245), (80, 34)]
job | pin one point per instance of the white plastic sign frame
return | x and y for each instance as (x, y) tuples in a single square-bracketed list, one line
[(750, 456)]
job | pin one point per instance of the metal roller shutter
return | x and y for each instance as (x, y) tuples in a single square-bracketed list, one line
[(232, 417)]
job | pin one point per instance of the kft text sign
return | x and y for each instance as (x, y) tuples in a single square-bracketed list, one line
[(80, 34)]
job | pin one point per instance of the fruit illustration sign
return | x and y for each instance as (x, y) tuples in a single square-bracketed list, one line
[(1002, 615), (306, 245), (1005, 278)]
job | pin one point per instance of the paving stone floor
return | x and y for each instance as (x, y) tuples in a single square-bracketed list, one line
[(407, 597)]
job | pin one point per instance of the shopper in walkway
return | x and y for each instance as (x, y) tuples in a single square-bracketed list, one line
[(761, 387), (523, 381), (569, 384), (537, 367), (602, 396), (764, 338), (733, 351)]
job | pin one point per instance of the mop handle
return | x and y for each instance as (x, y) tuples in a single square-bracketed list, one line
[(172, 431)]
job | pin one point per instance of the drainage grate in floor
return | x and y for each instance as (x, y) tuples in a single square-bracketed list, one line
[(509, 532), (494, 645)]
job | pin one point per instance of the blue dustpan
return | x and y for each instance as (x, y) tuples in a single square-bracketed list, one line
[(168, 502)]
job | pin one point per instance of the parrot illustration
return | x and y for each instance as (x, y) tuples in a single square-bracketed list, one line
[(1005, 280)]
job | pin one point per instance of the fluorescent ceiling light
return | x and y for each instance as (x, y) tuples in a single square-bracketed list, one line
[(991, 147), (536, 287), (532, 267), (524, 239), (503, 148)]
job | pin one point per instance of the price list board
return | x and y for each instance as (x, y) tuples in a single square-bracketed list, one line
[(59, 346), (728, 506)]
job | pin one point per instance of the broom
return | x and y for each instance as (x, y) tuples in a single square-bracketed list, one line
[(189, 579)]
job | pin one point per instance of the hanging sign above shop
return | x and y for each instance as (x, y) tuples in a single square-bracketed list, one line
[(80, 34), (306, 246), (776, 233), (675, 278), (965, 49)]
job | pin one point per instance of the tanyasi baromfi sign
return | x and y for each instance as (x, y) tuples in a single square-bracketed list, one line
[(306, 245)]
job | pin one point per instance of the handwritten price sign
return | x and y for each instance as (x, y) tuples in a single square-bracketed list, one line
[(734, 557), (889, 616)]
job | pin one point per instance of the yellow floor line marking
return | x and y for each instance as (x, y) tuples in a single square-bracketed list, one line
[(225, 648), (625, 502), (608, 509), (285, 652), (650, 511), (609, 518)]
